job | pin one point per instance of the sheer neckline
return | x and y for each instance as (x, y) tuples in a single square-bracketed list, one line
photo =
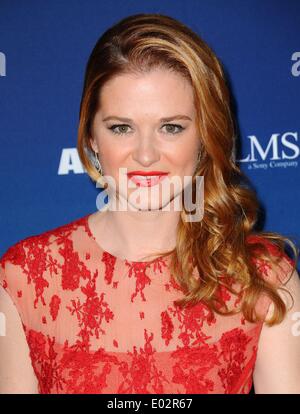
[(102, 250)]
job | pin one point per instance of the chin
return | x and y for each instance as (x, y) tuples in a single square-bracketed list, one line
[(145, 203), (158, 198)]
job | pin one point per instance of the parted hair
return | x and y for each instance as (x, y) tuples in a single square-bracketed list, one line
[(223, 247)]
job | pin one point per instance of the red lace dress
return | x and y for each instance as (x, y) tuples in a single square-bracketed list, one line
[(96, 323)]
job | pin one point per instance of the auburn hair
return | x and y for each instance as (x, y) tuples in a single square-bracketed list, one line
[(223, 247)]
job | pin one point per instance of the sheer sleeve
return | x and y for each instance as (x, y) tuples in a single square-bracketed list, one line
[(13, 279), (277, 273), (17, 373)]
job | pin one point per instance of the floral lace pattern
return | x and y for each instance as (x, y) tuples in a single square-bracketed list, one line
[(95, 323)]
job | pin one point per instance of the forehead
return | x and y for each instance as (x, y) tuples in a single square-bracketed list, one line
[(158, 91)]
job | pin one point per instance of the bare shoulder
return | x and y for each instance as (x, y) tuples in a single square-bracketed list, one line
[(290, 295), (16, 371), (277, 368)]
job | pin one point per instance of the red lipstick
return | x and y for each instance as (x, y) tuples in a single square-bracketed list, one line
[(147, 178), (146, 173)]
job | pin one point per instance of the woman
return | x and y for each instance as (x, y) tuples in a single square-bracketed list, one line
[(85, 312)]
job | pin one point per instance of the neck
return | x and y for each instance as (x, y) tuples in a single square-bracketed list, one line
[(133, 234)]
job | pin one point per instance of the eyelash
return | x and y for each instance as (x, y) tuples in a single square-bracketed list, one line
[(112, 128)]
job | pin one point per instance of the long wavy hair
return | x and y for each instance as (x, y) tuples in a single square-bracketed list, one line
[(223, 246)]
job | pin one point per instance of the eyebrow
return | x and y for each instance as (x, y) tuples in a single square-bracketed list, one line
[(170, 118)]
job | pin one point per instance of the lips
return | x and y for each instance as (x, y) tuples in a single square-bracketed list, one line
[(146, 173), (147, 179)]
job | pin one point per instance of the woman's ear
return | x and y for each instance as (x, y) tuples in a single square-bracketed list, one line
[(93, 144)]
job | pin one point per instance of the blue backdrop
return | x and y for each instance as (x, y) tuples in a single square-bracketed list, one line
[(44, 47)]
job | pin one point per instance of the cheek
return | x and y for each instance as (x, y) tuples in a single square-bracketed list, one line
[(184, 154), (112, 157), (184, 161)]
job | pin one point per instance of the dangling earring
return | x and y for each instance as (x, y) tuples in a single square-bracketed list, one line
[(97, 164), (199, 156)]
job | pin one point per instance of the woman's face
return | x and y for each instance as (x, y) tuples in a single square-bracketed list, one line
[(144, 141)]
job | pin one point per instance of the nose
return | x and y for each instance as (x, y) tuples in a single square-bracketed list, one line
[(146, 153)]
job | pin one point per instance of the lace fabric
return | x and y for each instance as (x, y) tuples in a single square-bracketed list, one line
[(96, 323)]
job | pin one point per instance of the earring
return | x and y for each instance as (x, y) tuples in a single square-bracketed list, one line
[(199, 156), (97, 164)]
